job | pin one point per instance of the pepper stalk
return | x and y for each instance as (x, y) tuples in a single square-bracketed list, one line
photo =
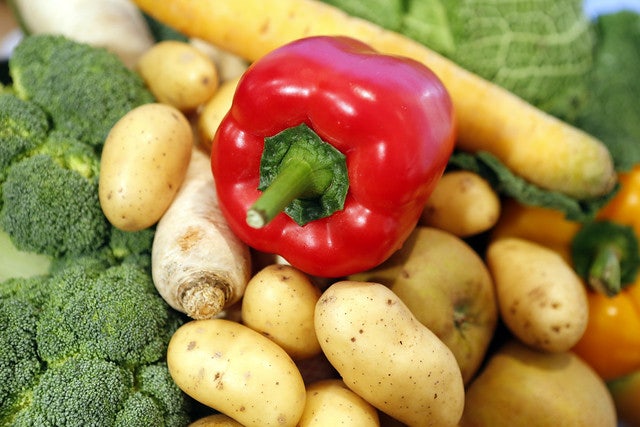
[(606, 255), (301, 175)]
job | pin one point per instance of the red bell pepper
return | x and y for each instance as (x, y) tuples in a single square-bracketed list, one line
[(348, 142)]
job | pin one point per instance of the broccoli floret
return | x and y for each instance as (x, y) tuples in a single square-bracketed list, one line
[(20, 365), (64, 98), (86, 345), (157, 390), (132, 246), (133, 330), (70, 153), (51, 210), (77, 392), (83, 88), (23, 127), (19, 362)]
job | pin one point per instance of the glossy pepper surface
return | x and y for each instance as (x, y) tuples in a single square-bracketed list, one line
[(387, 123)]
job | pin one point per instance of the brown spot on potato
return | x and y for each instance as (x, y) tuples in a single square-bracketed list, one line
[(217, 378)]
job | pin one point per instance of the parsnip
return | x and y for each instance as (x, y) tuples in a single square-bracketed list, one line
[(114, 24), (199, 266), (535, 145)]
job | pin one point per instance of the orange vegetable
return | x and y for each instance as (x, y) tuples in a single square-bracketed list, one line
[(611, 341)]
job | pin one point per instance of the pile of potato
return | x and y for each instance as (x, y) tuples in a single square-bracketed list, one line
[(442, 334)]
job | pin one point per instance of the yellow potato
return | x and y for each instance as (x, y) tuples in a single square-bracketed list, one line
[(463, 203), (279, 302), (237, 371), (520, 386), (214, 110), (215, 420), (385, 355), (332, 403), (540, 297), (178, 74), (144, 161)]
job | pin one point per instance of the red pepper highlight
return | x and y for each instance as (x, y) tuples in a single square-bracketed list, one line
[(381, 127)]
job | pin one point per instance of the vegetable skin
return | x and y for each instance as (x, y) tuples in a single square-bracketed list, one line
[(199, 266), (537, 146), (123, 29)]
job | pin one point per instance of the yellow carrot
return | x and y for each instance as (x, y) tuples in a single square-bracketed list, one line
[(533, 144)]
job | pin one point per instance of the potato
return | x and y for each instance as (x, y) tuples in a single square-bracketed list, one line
[(447, 286), (462, 203), (237, 371), (279, 302), (144, 161), (540, 297), (215, 420), (332, 403), (178, 74), (385, 355), (214, 110), (524, 387)]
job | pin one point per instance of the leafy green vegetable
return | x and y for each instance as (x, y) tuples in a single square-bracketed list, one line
[(540, 50), (386, 13), (506, 183), (612, 111)]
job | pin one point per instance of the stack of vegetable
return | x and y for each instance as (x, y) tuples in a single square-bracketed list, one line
[(84, 332), (259, 251)]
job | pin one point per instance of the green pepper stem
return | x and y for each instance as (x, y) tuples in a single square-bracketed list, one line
[(604, 274), (292, 181), (300, 175)]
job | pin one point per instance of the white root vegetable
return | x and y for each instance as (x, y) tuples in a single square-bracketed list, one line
[(198, 265), (122, 28)]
